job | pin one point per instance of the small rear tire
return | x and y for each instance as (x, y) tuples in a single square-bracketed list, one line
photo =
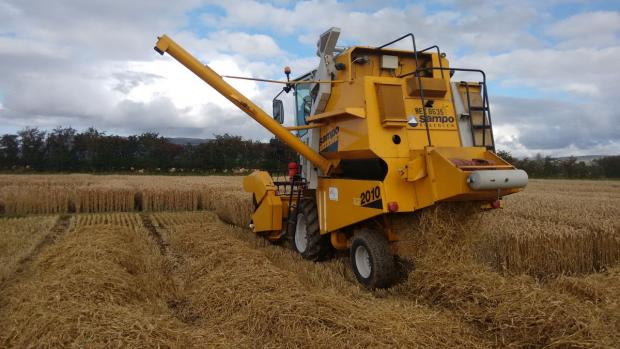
[(307, 238), (371, 260)]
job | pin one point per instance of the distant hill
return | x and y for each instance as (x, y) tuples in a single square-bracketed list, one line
[(192, 141)]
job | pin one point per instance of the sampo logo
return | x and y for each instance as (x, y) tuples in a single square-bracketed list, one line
[(437, 118), (434, 115)]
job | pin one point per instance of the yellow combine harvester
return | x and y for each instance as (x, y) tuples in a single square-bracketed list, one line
[(380, 132)]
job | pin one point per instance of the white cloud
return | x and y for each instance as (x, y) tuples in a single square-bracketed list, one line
[(91, 63), (184, 88), (81, 75), (590, 72), (585, 89), (589, 29), (484, 27), (250, 45), (529, 126), (24, 46)]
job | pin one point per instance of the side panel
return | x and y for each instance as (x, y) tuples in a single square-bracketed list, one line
[(343, 202), (258, 183), (268, 214)]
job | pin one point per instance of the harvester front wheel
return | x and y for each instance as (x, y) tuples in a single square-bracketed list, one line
[(371, 260), (307, 238)]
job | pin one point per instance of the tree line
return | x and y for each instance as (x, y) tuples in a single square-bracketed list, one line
[(572, 168), (64, 149)]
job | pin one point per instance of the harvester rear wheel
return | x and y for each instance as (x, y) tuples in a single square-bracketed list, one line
[(371, 260), (307, 238)]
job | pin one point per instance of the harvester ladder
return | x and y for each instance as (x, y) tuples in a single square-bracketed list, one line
[(484, 107), (294, 188), (479, 125), (483, 126), (293, 208)]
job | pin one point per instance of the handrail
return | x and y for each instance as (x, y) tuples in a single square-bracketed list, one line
[(415, 54), (484, 76), (304, 127), (292, 82), (485, 95), (438, 56)]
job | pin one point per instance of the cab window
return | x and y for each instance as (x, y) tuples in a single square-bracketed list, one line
[(302, 96)]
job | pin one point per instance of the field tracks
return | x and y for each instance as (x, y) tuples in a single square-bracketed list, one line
[(154, 233), (179, 305), (188, 273), (60, 227), (21, 267)]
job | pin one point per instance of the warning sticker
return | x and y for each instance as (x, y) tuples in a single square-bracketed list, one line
[(333, 193)]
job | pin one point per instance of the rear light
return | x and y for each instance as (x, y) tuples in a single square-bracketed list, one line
[(293, 170), (496, 204), (393, 206)]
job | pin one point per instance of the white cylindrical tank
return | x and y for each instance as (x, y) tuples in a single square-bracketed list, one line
[(497, 179)]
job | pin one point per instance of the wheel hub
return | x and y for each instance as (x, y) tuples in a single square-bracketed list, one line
[(301, 234), (362, 261)]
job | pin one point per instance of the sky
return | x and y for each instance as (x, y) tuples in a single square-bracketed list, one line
[(553, 66)]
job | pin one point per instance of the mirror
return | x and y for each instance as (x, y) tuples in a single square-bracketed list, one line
[(278, 110)]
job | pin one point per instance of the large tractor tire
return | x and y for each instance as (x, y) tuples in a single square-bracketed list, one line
[(307, 238), (373, 264)]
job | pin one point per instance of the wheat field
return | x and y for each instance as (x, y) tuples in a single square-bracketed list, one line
[(147, 261)]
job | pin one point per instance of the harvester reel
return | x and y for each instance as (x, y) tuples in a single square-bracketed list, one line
[(307, 238), (371, 260)]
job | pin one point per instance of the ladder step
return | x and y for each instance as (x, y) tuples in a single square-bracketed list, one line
[(481, 126), (477, 108)]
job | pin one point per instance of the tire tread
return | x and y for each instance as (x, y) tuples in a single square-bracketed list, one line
[(319, 246), (383, 264)]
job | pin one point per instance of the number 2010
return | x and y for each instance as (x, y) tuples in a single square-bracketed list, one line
[(370, 195)]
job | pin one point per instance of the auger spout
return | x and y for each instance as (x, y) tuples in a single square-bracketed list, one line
[(208, 75)]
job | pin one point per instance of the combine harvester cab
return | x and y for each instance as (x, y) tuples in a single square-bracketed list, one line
[(379, 132)]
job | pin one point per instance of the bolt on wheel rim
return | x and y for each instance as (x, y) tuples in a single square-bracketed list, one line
[(301, 234), (362, 261)]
